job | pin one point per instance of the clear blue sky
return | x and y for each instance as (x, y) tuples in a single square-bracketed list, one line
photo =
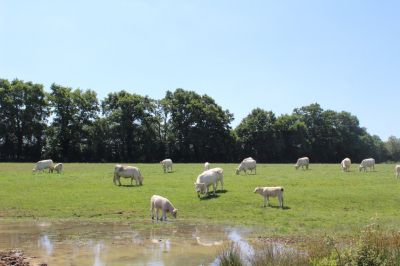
[(277, 55)]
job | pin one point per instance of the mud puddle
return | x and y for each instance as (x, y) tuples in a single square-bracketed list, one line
[(98, 244)]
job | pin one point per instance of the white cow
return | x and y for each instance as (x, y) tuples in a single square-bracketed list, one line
[(367, 163), (166, 164), (397, 169), (345, 164), (220, 176), (127, 172), (267, 192), (208, 178), (301, 162), (41, 165), (206, 166), (247, 164), (160, 203), (57, 167)]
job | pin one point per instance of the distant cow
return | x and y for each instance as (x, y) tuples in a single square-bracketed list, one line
[(57, 167), (345, 164), (397, 170), (302, 162), (247, 164), (166, 164), (367, 163), (127, 172), (206, 166), (41, 165)]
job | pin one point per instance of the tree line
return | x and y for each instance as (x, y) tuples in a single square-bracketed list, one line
[(72, 125)]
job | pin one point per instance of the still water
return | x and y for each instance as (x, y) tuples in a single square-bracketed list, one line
[(108, 243)]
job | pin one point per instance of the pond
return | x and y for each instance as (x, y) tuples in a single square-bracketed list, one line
[(117, 243)]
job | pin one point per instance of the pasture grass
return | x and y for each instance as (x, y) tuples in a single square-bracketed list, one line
[(322, 200)]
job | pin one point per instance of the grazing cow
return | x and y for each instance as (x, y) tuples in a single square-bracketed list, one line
[(57, 167), (160, 203), (41, 165), (220, 176), (247, 164), (267, 192), (127, 172), (345, 164), (166, 164), (301, 162), (397, 169), (208, 178), (367, 163)]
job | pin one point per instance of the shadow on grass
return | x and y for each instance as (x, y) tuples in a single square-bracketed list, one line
[(222, 191), (277, 207), (129, 186), (209, 196)]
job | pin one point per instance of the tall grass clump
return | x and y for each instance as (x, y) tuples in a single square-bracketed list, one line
[(271, 255), (230, 256), (373, 246)]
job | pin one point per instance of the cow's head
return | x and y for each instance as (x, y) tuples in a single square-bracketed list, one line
[(118, 168), (199, 188), (175, 213), (237, 170), (257, 190)]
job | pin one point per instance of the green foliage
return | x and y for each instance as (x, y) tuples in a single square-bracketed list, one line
[(322, 135), (23, 114), (184, 126), (393, 148), (198, 129), (74, 112), (374, 247), (258, 136), (133, 128)]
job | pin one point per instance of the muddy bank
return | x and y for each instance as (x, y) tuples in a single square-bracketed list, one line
[(16, 257)]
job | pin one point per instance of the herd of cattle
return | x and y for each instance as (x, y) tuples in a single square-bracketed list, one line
[(209, 177)]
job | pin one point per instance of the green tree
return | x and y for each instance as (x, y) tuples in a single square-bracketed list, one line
[(23, 114), (258, 137), (292, 137), (74, 112), (133, 133), (393, 148), (197, 129)]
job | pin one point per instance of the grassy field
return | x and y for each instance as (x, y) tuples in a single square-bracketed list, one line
[(321, 200)]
